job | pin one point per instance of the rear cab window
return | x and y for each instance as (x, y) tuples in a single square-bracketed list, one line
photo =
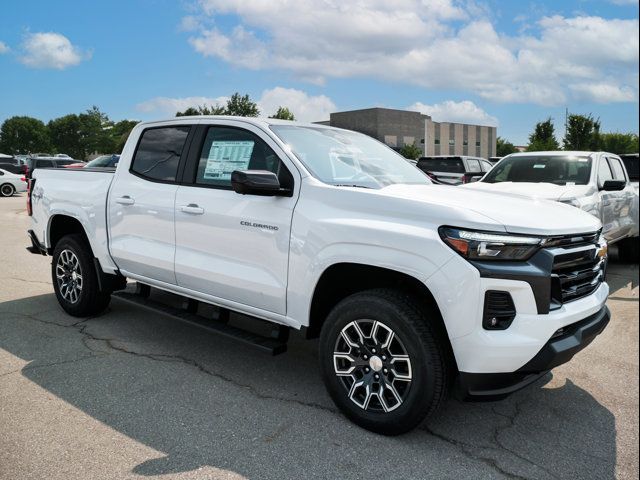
[(473, 165), (158, 153), (632, 165)]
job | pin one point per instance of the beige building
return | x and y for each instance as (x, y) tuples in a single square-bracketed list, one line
[(397, 128)]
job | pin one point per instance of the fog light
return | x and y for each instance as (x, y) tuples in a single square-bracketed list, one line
[(499, 310)]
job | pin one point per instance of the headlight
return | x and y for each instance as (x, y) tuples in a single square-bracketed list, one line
[(474, 245)]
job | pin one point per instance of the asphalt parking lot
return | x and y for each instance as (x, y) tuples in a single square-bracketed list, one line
[(133, 394)]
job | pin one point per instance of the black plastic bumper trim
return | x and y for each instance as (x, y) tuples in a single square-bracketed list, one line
[(36, 247), (558, 350)]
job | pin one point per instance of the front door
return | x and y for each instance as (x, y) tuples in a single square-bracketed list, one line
[(142, 204), (234, 247)]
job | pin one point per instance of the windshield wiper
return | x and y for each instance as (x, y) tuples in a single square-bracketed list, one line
[(348, 185)]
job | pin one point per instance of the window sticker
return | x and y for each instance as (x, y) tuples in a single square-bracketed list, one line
[(539, 166), (227, 156)]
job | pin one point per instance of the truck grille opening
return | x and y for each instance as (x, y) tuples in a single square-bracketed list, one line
[(499, 310), (576, 275)]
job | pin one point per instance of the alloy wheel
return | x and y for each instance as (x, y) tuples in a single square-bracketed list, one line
[(373, 365), (69, 276)]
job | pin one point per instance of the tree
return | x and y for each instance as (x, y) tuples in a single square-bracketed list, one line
[(543, 137), (95, 133), (242, 106), (65, 135), (410, 151), (619, 143), (23, 135), (504, 147), (284, 113), (583, 133), (203, 110), (120, 133)]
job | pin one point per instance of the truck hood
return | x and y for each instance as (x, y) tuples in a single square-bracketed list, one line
[(548, 191), (514, 213)]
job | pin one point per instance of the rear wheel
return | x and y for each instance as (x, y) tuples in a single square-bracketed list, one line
[(75, 279), (381, 362), (7, 190)]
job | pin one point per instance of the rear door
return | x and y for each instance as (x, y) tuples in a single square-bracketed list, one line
[(141, 204), (230, 246)]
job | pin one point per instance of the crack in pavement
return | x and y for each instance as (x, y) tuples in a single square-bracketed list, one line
[(82, 325)]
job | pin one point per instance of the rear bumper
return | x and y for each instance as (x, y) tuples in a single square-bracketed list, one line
[(558, 350)]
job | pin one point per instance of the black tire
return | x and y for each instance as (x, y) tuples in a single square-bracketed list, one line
[(629, 250), (89, 299), (7, 190), (428, 365)]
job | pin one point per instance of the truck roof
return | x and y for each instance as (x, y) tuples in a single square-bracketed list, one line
[(258, 121), (563, 153)]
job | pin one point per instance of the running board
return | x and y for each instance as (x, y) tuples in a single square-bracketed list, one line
[(274, 344)]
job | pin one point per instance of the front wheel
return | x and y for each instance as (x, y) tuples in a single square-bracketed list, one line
[(7, 190), (75, 279), (381, 361)]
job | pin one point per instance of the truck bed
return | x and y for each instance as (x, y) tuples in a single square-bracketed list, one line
[(81, 193)]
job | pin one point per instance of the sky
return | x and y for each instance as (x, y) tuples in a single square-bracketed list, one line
[(507, 63)]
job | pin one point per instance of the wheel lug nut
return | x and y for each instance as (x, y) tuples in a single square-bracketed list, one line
[(373, 350), (366, 369), (376, 376), (384, 357), (365, 357), (385, 370)]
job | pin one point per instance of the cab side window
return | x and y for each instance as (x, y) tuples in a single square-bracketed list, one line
[(618, 171), (158, 153), (473, 165), (604, 172), (226, 149)]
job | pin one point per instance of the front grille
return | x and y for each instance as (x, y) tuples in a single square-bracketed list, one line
[(576, 275), (570, 241)]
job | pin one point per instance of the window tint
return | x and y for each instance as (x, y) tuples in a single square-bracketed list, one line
[(227, 149), (473, 165), (159, 152), (446, 165), (604, 172), (618, 171), (11, 168)]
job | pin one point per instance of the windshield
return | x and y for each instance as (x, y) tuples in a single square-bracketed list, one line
[(345, 158), (561, 170)]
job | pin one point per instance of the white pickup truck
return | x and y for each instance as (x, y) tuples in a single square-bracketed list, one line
[(414, 289), (596, 182)]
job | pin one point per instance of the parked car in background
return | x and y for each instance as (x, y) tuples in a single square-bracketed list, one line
[(596, 182), (104, 161), (34, 163), (63, 155), (10, 183), (632, 165), (13, 168), (494, 160), (412, 287), (40, 155), (453, 170)]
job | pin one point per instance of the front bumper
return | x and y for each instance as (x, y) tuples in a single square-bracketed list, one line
[(558, 350)]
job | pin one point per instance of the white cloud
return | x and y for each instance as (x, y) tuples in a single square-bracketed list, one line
[(168, 106), (459, 112), (603, 92), (439, 44), (305, 107), (51, 50), (4, 48)]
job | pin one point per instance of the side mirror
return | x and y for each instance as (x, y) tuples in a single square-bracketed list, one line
[(257, 182), (613, 185)]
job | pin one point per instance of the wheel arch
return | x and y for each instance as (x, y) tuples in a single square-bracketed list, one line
[(61, 225), (340, 280)]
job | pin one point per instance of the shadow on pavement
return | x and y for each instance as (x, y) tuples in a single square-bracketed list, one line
[(202, 400)]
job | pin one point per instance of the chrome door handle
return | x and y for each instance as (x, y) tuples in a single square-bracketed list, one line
[(192, 208), (125, 200)]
